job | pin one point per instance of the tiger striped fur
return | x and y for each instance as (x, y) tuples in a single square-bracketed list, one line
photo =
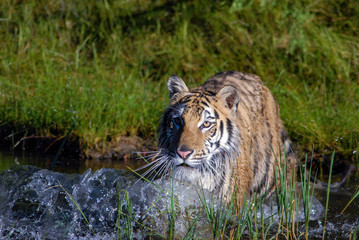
[(224, 135)]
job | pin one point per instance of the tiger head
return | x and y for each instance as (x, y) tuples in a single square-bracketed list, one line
[(198, 137)]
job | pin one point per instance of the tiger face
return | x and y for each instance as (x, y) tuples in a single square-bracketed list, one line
[(197, 136)]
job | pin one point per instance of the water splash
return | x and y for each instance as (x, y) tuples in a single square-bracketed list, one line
[(37, 203)]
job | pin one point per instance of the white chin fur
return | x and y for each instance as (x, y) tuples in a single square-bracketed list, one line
[(193, 176)]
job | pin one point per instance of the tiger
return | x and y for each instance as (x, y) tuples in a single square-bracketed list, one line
[(225, 135)]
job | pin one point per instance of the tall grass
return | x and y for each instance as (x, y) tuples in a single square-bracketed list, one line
[(307, 192), (328, 193), (105, 64), (224, 220), (125, 217), (258, 218), (217, 217)]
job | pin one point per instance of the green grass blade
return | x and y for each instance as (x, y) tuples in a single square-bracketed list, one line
[(328, 192)]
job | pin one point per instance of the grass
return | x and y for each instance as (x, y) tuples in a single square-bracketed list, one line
[(252, 221), (307, 192), (257, 219), (104, 65), (217, 217), (125, 220), (328, 192)]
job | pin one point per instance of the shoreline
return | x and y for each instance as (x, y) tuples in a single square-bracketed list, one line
[(125, 147), (29, 140)]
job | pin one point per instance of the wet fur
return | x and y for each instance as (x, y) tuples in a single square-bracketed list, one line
[(244, 145)]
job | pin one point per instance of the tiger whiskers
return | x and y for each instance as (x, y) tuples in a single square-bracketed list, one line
[(213, 171), (163, 166), (157, 164)]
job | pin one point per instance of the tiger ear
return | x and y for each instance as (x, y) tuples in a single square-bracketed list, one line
[(230, 96), (176, 85)]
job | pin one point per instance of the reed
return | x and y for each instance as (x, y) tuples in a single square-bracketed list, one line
[(258, 218)]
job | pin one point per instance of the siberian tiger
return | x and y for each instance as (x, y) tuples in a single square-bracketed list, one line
[(226, 135)]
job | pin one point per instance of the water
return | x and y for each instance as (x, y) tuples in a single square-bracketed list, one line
[(36, 203), (65, 165), (33, 204)]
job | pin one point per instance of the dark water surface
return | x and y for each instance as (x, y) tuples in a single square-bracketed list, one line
[(32, 205), (65, 165)]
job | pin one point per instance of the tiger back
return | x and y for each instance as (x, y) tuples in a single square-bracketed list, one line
[(226, 135)]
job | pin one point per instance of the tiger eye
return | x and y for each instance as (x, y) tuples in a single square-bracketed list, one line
[(177, 120), (207, 124)]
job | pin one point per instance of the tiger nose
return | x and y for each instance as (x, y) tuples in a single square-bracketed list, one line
[(184, 151)]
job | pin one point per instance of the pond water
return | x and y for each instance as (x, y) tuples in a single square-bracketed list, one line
[(65, 165), (37, 203)]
